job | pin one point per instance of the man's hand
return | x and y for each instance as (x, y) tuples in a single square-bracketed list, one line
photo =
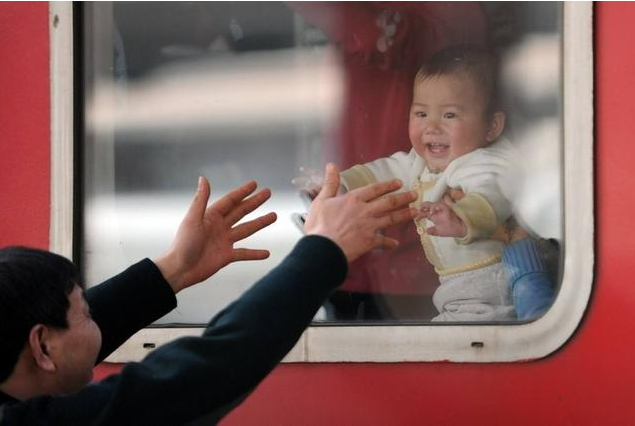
[(446, 222), (353, 220), (204, 242)]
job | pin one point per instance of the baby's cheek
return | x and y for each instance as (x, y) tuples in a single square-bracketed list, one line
[(419, 148), (414, 133)]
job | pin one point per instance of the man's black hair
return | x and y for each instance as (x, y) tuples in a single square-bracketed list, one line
[(34, 289), (480, 64)]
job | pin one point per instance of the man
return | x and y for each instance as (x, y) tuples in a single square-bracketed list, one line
[(50, 342)]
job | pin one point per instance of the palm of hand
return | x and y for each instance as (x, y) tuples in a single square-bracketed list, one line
[(211, 246), (204, 242)]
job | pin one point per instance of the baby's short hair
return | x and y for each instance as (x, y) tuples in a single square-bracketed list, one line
[(480, 64)]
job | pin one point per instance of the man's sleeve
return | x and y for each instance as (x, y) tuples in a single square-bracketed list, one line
[(196, 377), (128, 302)]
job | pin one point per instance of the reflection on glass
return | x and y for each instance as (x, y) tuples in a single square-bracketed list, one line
[(239, 91)]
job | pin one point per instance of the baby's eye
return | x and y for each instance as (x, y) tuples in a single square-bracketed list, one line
[(420, 114), (449, 115)]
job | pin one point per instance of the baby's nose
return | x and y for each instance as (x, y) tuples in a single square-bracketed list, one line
[(432, 127)]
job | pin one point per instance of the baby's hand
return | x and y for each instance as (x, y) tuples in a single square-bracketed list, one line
[(310, 183), (446, 222)]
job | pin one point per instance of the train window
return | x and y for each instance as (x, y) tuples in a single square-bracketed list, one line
[(271, 91)]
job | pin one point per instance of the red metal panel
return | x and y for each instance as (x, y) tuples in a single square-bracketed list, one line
[(589, 382), (24, 124)]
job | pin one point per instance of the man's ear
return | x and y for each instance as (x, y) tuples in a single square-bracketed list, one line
[(496, 126), (39, 343)]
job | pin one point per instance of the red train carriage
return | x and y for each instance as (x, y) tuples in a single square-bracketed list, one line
[(106, 122)]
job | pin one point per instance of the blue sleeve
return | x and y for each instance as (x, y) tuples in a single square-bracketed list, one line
[(531, 290)]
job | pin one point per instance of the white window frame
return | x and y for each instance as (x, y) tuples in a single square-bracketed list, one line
[(391, 343), (62, 127)]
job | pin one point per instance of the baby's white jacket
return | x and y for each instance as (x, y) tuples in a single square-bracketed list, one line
[(480, 174)]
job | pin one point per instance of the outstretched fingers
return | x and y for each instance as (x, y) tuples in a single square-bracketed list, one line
[(393, 201), (247, 229), (384, 242), (393, 218), (244, 207), (226, 203), (196, 211), (249, 254), (376, 190)]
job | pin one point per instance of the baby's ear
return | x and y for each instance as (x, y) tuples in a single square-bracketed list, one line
[(496, 126)]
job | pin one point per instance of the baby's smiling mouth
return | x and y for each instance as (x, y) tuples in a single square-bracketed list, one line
[(437, 148)]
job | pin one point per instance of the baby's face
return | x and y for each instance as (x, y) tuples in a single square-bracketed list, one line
[(447, 119)]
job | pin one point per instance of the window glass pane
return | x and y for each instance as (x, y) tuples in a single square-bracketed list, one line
[(257, 90)]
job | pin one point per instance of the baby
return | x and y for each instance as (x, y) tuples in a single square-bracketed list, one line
[(455, 127)]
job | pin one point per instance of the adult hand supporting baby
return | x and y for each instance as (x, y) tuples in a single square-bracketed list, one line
[(353, 220)]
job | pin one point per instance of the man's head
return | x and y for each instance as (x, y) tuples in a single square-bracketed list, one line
[(45, 324), (455, 107)]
